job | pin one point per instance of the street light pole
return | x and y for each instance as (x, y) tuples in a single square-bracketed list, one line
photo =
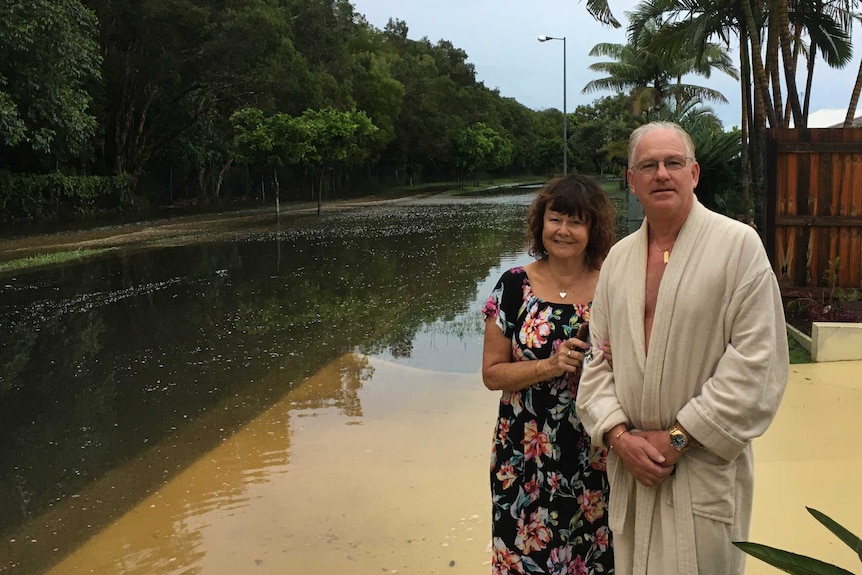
[(565, 129)]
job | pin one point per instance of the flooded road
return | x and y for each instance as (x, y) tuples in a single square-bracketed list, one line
[(289, 400)]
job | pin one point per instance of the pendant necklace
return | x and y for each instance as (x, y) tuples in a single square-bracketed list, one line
[(665, 251), (563, 291)]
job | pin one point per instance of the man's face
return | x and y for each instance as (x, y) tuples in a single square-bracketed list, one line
[(664, 190)]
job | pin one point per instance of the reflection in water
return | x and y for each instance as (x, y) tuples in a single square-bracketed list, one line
[(350, 498), (122, 377)]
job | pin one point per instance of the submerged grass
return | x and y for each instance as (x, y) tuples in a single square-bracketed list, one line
[(49, 259), (798, 354)]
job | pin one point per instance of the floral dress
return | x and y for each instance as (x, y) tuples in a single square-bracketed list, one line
[(549, 485)]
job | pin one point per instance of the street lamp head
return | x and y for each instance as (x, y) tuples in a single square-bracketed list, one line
[(544, 38)]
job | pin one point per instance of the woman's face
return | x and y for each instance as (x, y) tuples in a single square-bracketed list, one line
[(564, 236)]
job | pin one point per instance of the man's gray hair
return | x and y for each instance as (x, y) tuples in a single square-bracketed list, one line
[(641, 130)]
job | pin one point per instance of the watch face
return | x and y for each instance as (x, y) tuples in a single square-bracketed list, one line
[(678, 440)]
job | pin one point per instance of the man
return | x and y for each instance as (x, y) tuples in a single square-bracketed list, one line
[(693, 313)]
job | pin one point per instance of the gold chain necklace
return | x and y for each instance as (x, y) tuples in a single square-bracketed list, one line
[(563, 291)]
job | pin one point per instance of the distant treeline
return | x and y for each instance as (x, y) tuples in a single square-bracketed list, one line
[(108, 104)]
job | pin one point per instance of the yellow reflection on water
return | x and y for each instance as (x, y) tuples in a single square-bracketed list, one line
[(367, 467), (372, 467)]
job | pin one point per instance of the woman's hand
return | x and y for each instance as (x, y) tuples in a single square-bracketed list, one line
[(569, 357), (606, 350)]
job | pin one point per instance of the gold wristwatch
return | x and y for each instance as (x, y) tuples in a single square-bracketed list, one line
[(678, 439)]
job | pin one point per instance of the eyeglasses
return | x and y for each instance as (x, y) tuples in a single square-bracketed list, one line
[(671, 163)]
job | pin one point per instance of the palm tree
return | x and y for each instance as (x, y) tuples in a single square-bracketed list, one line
[(689, 25), (653, 77), (718, 154), (828, 25), (600, 10)]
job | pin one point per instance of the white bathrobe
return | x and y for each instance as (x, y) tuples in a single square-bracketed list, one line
[(717, 363)]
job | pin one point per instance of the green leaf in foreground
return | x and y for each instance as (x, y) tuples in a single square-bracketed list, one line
[(790, 562), (852, 541)]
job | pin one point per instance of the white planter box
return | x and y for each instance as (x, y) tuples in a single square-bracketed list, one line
[(834, 341), (831, 341)]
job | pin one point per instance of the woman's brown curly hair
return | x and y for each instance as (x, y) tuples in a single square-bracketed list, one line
[(574, 195)]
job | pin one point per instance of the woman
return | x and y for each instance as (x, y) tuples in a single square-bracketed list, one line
[(549, 486)]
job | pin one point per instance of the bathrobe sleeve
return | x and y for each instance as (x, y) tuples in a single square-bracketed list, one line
[(738, 402), (597, 404), (619, 293)]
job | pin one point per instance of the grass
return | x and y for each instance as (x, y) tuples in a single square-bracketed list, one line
[(798, 354), (49, 259)]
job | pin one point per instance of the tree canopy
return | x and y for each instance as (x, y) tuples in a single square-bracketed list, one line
[(128, 103)]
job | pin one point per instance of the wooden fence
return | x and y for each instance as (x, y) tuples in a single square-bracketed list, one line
[(814, 207)]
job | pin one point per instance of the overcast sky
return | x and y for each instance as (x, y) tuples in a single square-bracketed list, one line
[(500, 39)]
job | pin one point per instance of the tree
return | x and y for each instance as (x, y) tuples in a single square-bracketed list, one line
[(273, 142), (653, 75), (373, 88), (48, 60), (481, 148), (600, 133), (334, 140), (688, 26), (600, 10), (719, 156), (169, 64)]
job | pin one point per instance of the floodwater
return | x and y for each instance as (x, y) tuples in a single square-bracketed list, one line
[(302, 398)]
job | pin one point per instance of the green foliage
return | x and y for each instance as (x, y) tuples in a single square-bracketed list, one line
[(653, 75), (32, 196), (50, 259), (48, 55), (799, 564), (306, 91), (828, 304), (274, 141), (480, 147), (718, 154), (601, 132)]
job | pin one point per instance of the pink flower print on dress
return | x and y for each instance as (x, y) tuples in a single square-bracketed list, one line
[(504, 562), (559, 560), (515, 399), (578, 567), (592, 504), (583, 312), (534, 535), (598, 458), (507, 474), (536, 329), (503, 430), (491, 307), (554, 481), (531, 488), (602, 539), (536, 443)]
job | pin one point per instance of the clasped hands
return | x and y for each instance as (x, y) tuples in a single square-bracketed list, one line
[(647, 455)]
